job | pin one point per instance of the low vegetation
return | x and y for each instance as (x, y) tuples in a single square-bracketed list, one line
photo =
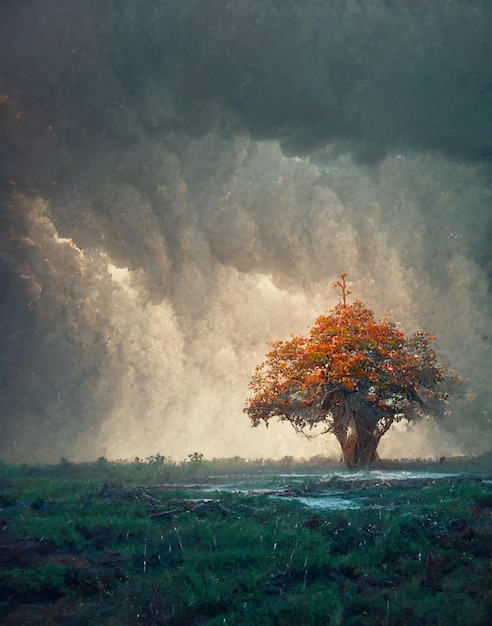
[(153, 542)]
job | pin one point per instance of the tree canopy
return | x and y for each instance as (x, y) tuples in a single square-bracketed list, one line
[(352, 375)]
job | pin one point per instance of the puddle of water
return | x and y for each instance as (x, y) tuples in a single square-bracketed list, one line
[(330, 487), (328, 503)]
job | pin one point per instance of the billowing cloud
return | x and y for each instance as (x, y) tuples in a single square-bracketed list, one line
[(181, 182)]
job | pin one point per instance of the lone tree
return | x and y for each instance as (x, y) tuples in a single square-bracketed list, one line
[(353, 376)]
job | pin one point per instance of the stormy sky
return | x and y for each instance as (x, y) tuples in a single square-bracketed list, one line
[(182, 180)]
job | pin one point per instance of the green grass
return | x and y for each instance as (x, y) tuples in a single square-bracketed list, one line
[(95, 544)]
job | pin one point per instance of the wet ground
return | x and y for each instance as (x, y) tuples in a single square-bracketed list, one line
[(72, 550)]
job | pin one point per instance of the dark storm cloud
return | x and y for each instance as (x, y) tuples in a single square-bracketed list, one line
[(373, 76)]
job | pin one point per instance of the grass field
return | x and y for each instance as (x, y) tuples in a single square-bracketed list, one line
[(153, 542)]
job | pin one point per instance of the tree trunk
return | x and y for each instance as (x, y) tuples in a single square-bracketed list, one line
[(358, 442)]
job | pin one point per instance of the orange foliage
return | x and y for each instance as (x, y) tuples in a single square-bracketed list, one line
[(348, 360)]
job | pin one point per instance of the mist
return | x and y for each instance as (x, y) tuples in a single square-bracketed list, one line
[(181, 182)]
